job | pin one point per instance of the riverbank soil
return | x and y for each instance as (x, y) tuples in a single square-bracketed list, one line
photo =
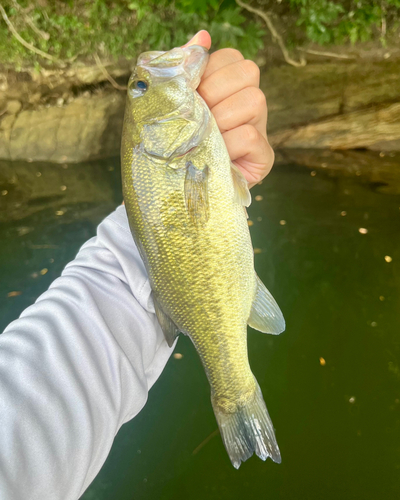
[(347, 99)]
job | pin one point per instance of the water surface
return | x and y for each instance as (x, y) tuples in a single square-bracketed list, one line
[(331, 381)]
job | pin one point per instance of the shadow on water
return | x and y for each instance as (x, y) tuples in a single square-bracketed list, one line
[(328, 247)]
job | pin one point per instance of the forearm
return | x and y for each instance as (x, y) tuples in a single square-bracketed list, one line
[(75, 366)]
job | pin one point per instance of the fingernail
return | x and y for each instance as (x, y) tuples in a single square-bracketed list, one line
[(194, 40)]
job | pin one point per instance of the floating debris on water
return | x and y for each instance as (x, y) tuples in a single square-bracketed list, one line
[(381, 298), (4, 192), (258, 197), (14, 294), (38, 174), (352, 400), (178, 355), (394, 368), (63, 188), (363, 230), (60, 212), (313, 173), (34, 275), (343, 213), (322, 361), (51, 261), (203, 443), (24, 230), (282, 222), (257, 250), (374, 323), (38, 247), (381, 154), (324, 165), (44, 271), (250, 222), (388, 258)]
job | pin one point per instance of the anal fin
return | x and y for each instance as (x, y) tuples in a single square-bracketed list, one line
[(265, 315), (168, 327)]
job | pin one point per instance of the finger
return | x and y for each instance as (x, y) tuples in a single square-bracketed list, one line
[(202, 38), (221, 58), (246, 106), (246, 141), (250, 151), (228, 80)]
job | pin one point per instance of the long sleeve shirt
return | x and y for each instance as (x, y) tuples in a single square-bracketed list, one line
[(75, 366)]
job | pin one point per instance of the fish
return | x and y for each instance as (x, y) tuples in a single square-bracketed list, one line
[(186, 205)]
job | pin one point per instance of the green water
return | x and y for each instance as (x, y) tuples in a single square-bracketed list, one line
[(338, 423)]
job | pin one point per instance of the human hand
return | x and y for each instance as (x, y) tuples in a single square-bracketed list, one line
[(230, 87)]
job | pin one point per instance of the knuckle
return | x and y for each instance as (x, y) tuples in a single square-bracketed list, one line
[(251, 70), (251, 134), (271, 158), (257, 98), (233, 54)]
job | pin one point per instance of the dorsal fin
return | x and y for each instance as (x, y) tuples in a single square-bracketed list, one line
[(242, 193)]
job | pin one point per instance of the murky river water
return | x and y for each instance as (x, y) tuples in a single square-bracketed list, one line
[(329, 250)]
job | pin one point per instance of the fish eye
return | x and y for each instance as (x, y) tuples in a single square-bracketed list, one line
[(141, 85)]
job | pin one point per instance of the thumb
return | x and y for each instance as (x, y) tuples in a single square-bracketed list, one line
[(202, 38)]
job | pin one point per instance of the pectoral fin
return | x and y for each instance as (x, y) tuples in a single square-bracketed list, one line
[(196, 193), (265, 314), (168, 327), (242, 193)]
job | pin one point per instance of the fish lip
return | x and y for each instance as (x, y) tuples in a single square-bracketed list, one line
[(196, 62), (189, 62)]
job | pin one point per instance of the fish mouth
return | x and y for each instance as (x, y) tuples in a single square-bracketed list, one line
[(186, 61)]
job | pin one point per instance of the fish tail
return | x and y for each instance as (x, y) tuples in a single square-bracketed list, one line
[(248, 430)]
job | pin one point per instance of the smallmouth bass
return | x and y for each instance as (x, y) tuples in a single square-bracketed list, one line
[(186, 202)]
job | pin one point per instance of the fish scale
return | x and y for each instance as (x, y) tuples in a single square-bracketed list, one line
[(187, 217)]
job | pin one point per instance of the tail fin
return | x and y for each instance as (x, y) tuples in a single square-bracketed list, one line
[(247, 431)]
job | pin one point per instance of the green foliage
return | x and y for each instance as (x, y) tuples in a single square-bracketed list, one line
[(328, 21), (316, 17), (125, 27), (115, 28), (229, 29)]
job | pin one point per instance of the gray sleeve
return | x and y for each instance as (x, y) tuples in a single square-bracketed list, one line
[(75, 366)]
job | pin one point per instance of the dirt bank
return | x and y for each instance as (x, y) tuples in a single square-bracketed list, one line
[(75, 114)]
